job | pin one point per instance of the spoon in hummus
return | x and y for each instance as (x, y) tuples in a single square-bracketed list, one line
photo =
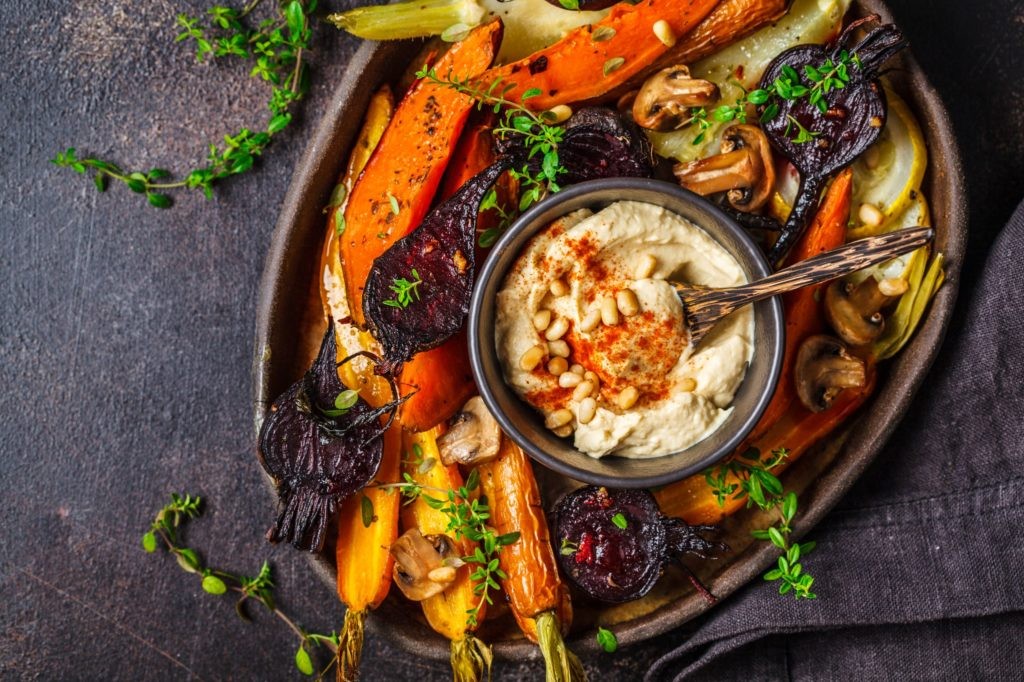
[(704, 307)]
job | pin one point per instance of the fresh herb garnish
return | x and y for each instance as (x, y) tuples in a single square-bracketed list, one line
[(276, 47), (802, 133), (749, 477), (404, 291), (344, 402), (606, 638), (538, 135), (568, 547), (260, 588), (468, 518), (619, 519)]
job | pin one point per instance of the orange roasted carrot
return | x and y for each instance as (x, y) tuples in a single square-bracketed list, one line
[(797, 431), (730, 21), (591, 61), (803, 307), (447, 612), (396, 188), (439, 381), (536, 594)]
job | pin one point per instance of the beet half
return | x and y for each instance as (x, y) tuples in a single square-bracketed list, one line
[(852, 122), (317, 460), (614, 543)]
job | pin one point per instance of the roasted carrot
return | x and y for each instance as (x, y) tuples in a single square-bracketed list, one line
[(538, 597), (591, 61), (439, 381), (730, 21), (395, 190), (797, 431), (803, 311), (448, 611), (364, 563)]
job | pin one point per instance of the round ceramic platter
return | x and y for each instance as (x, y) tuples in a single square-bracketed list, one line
[(289, 329)]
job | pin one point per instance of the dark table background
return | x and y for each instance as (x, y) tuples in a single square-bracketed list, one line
[(126, 334)]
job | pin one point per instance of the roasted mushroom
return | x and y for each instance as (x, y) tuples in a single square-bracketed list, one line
[(744, 169), (420, 570), (473, 436), (824, 367), (665, 98), (855, 310), (615, 543)]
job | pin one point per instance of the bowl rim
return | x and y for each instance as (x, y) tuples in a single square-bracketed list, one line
[(493, 389)]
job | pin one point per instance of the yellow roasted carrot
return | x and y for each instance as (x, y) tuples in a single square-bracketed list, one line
[(447, 612), (538, 597)]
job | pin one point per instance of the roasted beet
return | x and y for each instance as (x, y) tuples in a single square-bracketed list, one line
[(613, 544), (317, 457), (852, 120), (439, 254), (417, 293)]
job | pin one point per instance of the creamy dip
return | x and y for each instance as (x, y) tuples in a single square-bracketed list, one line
[(652, 393)]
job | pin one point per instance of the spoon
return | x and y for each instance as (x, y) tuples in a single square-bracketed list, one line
[(703, 307)]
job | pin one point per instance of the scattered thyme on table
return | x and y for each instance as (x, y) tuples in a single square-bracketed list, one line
[(260, 588), (275, 46)]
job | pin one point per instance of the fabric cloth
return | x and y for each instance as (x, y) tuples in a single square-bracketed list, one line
[(920, 568)]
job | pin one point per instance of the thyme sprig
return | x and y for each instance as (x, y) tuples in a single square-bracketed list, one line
[(468, 517), (165, 529), (276, 47), (536, 130), (404, 290), (751, 478)]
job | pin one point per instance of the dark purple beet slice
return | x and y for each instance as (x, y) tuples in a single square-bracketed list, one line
[(614, 543), (441, 251), (316, 460), (586, 5), (854, 120)]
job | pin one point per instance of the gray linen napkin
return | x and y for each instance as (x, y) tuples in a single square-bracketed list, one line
[(920, 570)]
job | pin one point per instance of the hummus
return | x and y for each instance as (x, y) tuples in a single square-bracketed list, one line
[(650, 393)]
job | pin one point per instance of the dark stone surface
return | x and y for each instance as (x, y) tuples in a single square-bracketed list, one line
[(126, 335)]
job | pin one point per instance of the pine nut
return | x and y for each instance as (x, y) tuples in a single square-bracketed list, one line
[(569, 380), (664, 33), (893, 286), (563, 431), (557, 329), (870, 215), (627, 397), (609, 311), (442, 574), (590, 320), (531, 358), (592, 378), (688, 385), (578, 369), (647, 265), (541, 320), (557, 114), (558, 418), (559, 348), (559, 288), (626, 302), (558, 366), (583, 390), (586, 411)]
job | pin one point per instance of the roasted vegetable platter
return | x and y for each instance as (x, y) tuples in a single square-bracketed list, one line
[(919, 183)]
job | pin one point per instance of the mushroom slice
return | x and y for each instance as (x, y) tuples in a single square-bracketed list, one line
[(824, 367), (855, 310), (744, 169), (665, 98), (420, 571), (473, 436)]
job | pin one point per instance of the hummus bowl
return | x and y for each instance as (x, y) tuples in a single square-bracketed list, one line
[(524, 424)]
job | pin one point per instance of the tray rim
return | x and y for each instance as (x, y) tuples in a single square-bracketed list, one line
[(311, 184)]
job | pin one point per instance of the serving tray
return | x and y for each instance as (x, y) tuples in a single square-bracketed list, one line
[(289, 328)]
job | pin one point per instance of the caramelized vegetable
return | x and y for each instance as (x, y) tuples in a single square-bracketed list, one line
[(591, 61), (317, 453), (395, 191), (730, 21), (616, 542), (447, 611), (852, 119), (538, 597)]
